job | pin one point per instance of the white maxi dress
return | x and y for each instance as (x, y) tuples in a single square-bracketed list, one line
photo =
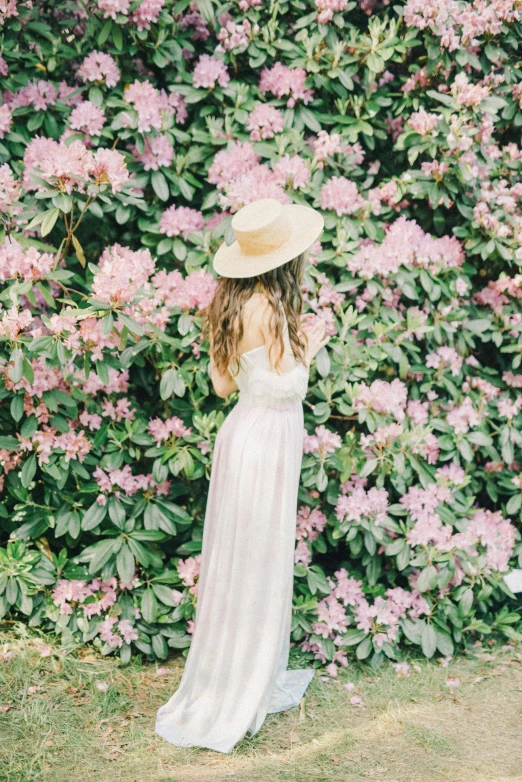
[(236, 669)]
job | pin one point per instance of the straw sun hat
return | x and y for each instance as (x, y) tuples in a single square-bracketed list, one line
[(268, 234)]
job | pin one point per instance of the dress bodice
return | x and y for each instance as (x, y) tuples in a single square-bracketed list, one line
[(259, 385)]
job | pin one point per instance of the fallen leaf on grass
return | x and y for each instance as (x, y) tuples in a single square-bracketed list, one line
[(335, 758)]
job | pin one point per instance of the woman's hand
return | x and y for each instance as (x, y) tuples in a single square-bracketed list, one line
[(315, 335)]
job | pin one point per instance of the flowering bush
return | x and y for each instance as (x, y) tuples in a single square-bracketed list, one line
[(130, 133)]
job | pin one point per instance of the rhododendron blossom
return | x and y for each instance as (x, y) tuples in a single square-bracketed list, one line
[(281, 81), (88, 118), (99, 67), (264, 122), (323, 441), (291, 172), (210, 71), (181, 220), (122, 273), (340, 195)]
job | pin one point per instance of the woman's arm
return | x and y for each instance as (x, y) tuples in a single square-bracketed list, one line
[(223, 384)]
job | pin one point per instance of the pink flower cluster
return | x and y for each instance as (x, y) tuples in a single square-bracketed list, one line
[(152, 106), (497, 292), (281, 80), (67, 592), (8, 9), (233, 36), (264, 122), (68, 166), (291, 172), (27, 263), (127, 631), (466, 93), (422, 122), (231, 163), (88, 118), (115, 480), (99, 67), (310, 522), (383, 397), (380, 620), (406, 244), (6, 119), (122, 272), (323, 441), (210, 71), (462, 417), (46, 441), (181, 220), (489, 529), (259, 182), (158, 152), (111, 8), (188, 571), (146, 13), (327, 8), (445, 356), (460, 24), (9, 189), (194, 291), (164, 431), (358, 504), (326, 145), (341, 195)]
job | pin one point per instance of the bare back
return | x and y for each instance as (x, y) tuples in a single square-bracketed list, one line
[(256, 332)]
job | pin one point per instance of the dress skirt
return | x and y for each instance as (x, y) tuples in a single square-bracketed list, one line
[(236, 668)]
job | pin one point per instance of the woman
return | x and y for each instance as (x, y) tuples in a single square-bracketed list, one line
[(236, 669)]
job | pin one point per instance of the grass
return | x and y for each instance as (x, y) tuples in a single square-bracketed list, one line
[(411, 729)]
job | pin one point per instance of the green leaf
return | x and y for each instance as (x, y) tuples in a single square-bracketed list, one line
[(133, 325), (105, 32), (364, 649), (465, 602), (10, 443), (514, 503), (159, 646), (50, 218), (429, 640), (309, 119), (28, 471), (353, 636), (78, 249), (149, 606), (167, 383), (103, 551), (322, 362), (160, 185), (94, 516), (444, 643), (125, 564), (427, 579), (164, 595)]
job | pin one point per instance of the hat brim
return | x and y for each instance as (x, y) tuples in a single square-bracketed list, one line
[(307, 225)]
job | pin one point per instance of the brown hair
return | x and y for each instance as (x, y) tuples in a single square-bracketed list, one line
[(223, 317)]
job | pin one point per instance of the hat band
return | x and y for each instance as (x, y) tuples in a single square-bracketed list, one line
[(266, 239)]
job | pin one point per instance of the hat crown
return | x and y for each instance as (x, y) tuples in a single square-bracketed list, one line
[(261, 226)]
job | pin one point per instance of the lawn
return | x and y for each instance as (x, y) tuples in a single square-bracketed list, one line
[(82, 718)]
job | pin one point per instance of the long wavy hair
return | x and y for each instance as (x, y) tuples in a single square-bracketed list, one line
[(223, 317)]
